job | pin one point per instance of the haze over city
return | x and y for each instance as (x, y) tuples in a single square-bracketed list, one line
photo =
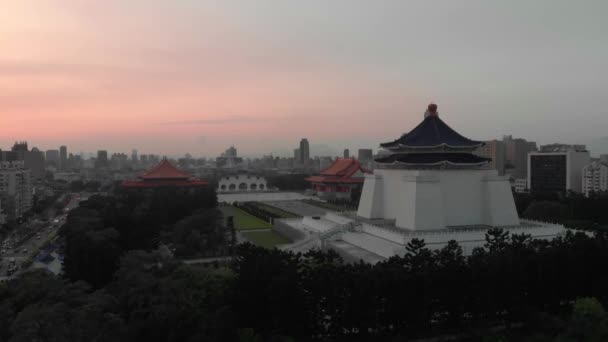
[(173, 77)]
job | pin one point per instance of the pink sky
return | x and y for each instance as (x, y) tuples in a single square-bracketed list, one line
[(172, 77)]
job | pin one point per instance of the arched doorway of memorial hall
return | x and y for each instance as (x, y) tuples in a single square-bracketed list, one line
[(242, 183)]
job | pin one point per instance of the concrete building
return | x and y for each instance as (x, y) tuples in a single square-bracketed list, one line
[(365, 156), (297, 156), (595, 178), (102, 159), (494, 150), (557, 171), (242, 183), (63, 158), (52, 159), (304, 151), (431, 180), (229, 159), (15, 189), (346, 153), (516, 155), (34, 160)]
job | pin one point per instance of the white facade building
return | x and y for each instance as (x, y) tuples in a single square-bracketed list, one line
[(438, 199), (557, 171), (431, 179), (595, 178), (15, 189), (429, 185), (242, 183)]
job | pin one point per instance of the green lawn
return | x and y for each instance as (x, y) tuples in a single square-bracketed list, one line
[(243, 220), (277, 211), (266, 239)]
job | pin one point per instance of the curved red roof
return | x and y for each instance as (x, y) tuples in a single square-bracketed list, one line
[(340, 171), (164, 170), (164, 175)]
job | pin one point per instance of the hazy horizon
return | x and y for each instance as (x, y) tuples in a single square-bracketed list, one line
[(171, 77)]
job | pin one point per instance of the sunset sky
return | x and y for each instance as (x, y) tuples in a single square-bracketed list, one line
[(196, 76)]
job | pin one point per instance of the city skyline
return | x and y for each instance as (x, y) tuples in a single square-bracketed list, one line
[(261, 76)]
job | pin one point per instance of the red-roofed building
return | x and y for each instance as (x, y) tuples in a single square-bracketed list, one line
[(164, 175), (339, 180)]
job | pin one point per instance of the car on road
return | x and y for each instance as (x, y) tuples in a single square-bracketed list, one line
[(24, 251)]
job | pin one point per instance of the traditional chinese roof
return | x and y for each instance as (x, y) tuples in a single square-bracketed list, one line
[(164, 174), (434, 159), (164, 170), (432, 133), (342, 170)]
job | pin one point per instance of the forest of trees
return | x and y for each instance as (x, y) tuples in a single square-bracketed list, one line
[(118, 286), (522, 287), (104, 228), (574, 210)]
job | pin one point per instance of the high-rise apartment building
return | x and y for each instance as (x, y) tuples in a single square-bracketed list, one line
[(346, 153), (304, 151), (494, 150), (595, 178), (15, 189), (63, 158)]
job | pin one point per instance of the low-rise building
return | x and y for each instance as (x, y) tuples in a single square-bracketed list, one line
[(339, 180), (242, 183)]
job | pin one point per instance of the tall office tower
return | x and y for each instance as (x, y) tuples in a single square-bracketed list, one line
[(346, 153), (63, 158), (558, 171), (304, 151), (494, 150)]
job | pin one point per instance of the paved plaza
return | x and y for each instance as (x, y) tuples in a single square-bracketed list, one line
[(261, 197), (299, 208)]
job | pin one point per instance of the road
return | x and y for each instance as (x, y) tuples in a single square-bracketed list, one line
[(41, 233)]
